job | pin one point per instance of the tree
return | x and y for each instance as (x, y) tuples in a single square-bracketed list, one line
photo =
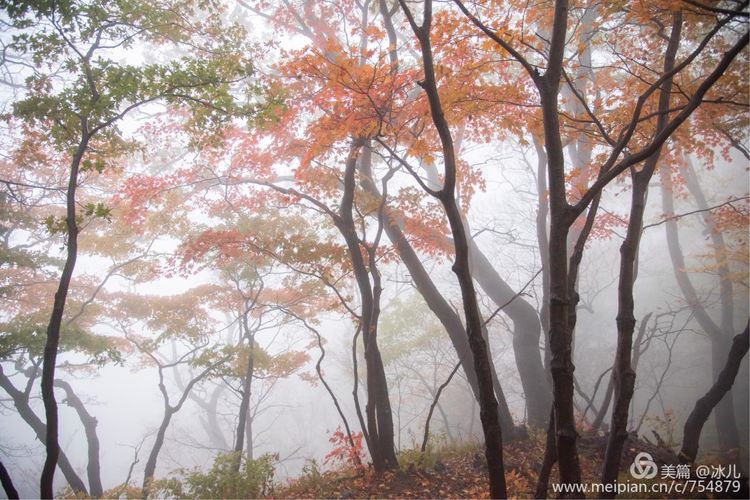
[(623, 374), (708, 402), (447, 196), (563, 212), (80, 111)]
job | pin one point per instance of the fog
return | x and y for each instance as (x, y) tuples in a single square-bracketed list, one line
[(295, 234)]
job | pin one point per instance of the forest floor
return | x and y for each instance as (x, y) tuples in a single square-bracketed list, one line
[(461, 472)]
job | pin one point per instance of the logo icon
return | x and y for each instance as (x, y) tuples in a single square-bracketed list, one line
[(643, 466)]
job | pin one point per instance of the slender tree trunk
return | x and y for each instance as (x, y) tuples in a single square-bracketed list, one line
[(704, 406), (169, 412), (719, 340), (431, 295), (243, 417), (249, 453), (7, 482), (93, 468), (488, 405), (150, 469), (53, 329), (550, 457), (21, 403), (247, 382), (623, 374), (377, 409), (543, 240)]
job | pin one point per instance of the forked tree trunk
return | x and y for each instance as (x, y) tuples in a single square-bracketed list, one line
[(89, 422), (377, 409), (21, 403)]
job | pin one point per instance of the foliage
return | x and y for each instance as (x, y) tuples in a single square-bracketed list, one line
[(253, 480), (343, 451), (25, 336)]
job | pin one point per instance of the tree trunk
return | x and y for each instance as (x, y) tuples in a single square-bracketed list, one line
[(247, 382), (488, 405), (561, 218), (7, 482), (719, 340), (526, 335), (623, 374), (550, 457), (725, 414), (53, 329), (704, 406), (431, 295), (93, 468), (21, 402), (377, 409), (150, 469)]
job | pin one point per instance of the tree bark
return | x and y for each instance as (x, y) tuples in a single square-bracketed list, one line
[(93, 467), (623, 374), (719, 340), (7, 482), (377, 409), (447, 195), (704, 406), (21, 402), (53, 329), (550, 457)]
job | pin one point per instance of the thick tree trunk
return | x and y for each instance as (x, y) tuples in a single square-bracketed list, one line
[(561, 218), (704, 406), (526, 335), (53, 329)]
